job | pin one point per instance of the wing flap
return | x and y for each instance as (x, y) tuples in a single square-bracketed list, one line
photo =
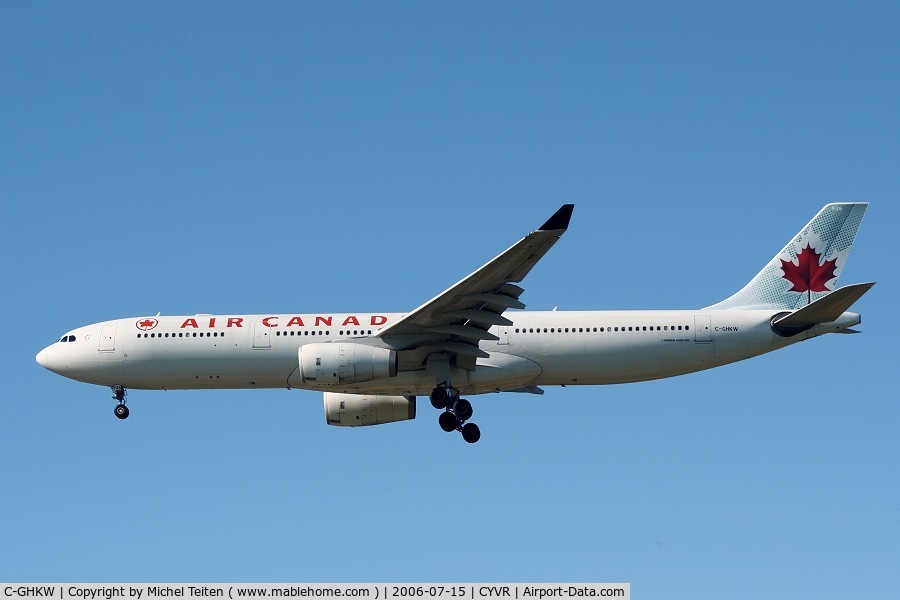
[(464, 331), (462, 348), (480, 316)]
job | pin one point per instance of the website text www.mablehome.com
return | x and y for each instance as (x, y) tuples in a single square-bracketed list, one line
[(368, 591)]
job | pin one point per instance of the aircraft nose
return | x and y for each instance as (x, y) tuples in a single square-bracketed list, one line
[(49, 359), (43, 358)]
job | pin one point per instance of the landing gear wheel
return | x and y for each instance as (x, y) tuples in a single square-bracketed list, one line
[(471, 433), (463, 409), (121, 411), (456, 411), (439, 397), (448, 421)]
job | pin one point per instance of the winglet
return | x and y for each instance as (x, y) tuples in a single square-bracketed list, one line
[(560, 219)]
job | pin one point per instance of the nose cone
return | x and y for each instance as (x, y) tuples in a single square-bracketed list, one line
[(49, 359), (43, 358)]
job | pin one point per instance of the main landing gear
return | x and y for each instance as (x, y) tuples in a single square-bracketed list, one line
[(458, 411), (119, 394)]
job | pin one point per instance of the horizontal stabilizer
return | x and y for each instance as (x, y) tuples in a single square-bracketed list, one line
[(823, 310)]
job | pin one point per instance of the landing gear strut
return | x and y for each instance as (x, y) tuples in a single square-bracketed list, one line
[(119, 394), (457, 412)]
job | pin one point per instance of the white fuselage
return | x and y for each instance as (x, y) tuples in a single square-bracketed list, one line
[(539, 348)]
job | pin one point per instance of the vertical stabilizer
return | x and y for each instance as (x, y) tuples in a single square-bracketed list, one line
[(808, 267)]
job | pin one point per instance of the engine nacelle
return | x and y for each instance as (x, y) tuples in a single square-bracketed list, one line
[(357, 410), (345, 363)]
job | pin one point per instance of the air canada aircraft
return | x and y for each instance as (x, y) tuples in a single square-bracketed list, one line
[(473, 338)]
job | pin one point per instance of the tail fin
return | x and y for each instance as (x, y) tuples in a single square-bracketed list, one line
[(808, 267)]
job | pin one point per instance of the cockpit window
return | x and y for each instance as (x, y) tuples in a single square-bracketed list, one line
[(67, 338), (71, 338)]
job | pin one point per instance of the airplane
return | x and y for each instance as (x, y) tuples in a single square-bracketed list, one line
[(473, 338)]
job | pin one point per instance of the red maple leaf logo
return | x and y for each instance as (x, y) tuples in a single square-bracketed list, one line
[(146, 324), (809, 275)]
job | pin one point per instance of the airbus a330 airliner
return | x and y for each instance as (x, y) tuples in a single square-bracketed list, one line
[(466, 340)]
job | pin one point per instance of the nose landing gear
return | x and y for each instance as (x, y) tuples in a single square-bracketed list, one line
[(119, 394), (457, 412)]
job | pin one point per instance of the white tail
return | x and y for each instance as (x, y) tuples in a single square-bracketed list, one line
[(808, 267)]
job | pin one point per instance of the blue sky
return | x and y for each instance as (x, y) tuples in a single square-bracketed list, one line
[(303, 157)]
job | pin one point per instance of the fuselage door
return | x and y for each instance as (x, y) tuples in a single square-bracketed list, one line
[(261, 335), (107, 338), (504, 335), (702, 328)]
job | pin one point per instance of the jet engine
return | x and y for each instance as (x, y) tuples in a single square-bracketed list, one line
[(356, 410), (345, 363)]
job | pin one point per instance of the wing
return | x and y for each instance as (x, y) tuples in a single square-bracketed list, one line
[(457, 319)]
